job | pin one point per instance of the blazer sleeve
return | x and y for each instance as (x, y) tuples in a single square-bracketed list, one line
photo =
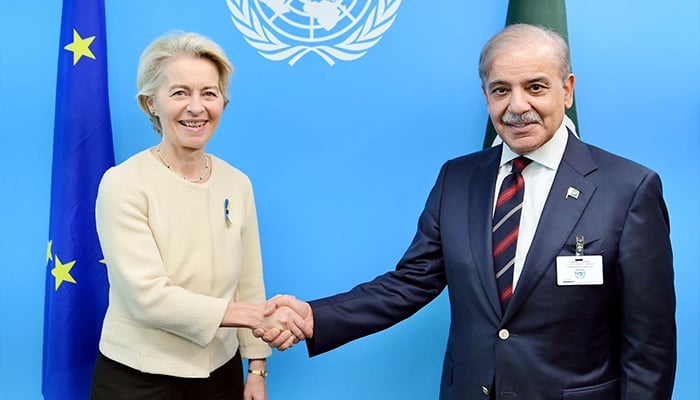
[(372, 306), (645, 259), (251, 287)]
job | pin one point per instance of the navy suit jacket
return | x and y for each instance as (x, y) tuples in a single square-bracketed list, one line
[(599, 342)]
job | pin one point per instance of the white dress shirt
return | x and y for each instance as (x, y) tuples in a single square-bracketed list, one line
[(538, 176)]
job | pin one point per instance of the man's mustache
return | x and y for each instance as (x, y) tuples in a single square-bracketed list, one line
[(513, 118)]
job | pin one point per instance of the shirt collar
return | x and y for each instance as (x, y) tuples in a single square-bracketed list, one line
[(548, 155)]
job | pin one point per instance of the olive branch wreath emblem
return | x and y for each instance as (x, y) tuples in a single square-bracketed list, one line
[(352, 47)]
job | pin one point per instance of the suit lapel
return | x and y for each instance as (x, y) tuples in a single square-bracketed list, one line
[(559, 216), (481, 192)]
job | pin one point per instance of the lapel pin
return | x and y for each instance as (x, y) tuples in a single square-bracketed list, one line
[(227, 211), (572, 192)]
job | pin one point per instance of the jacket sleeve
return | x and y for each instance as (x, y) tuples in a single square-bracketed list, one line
[(645, 259), (390, 298), (251, 288)]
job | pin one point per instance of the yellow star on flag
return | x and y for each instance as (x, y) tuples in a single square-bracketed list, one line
[(62, 272), (49, 255), (80, 47)]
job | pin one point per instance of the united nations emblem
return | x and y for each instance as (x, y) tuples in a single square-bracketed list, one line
[(333, 29)]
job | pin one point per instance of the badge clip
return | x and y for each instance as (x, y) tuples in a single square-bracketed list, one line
[(579, 245)]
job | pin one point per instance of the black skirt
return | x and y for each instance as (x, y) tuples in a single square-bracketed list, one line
[(115, 381)]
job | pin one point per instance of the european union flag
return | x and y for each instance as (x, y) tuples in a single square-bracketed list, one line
[(76, 279)]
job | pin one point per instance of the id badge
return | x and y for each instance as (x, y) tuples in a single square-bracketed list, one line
[(579, 270)]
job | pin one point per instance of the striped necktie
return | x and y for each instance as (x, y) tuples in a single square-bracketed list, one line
[(506, 224)]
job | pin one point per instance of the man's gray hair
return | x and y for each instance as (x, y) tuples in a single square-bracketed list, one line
[(521, 35)]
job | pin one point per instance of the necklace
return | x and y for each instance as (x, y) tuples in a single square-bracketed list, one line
[(204, 173)]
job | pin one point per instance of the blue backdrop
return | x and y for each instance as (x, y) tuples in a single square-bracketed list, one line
[(342, 158)]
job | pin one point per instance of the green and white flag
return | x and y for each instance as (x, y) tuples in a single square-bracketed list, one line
[(550, 14)]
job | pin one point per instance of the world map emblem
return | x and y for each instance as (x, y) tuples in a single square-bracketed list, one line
[(332, 29)]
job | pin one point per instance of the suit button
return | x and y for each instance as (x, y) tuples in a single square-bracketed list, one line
[(503, 334), (485, 390)]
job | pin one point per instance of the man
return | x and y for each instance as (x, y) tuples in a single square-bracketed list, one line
[(573, 301)]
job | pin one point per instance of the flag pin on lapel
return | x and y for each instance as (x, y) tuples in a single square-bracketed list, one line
[(227, 211), (572, 192)]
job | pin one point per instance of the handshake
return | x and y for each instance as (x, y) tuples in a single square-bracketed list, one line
[(286, 321)]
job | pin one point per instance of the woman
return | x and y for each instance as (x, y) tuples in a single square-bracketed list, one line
[(179, 232)]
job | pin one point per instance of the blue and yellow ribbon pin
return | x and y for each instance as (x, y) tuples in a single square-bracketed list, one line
[(227, 211)]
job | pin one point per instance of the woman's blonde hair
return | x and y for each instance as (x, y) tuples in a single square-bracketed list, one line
[(169, 47)]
